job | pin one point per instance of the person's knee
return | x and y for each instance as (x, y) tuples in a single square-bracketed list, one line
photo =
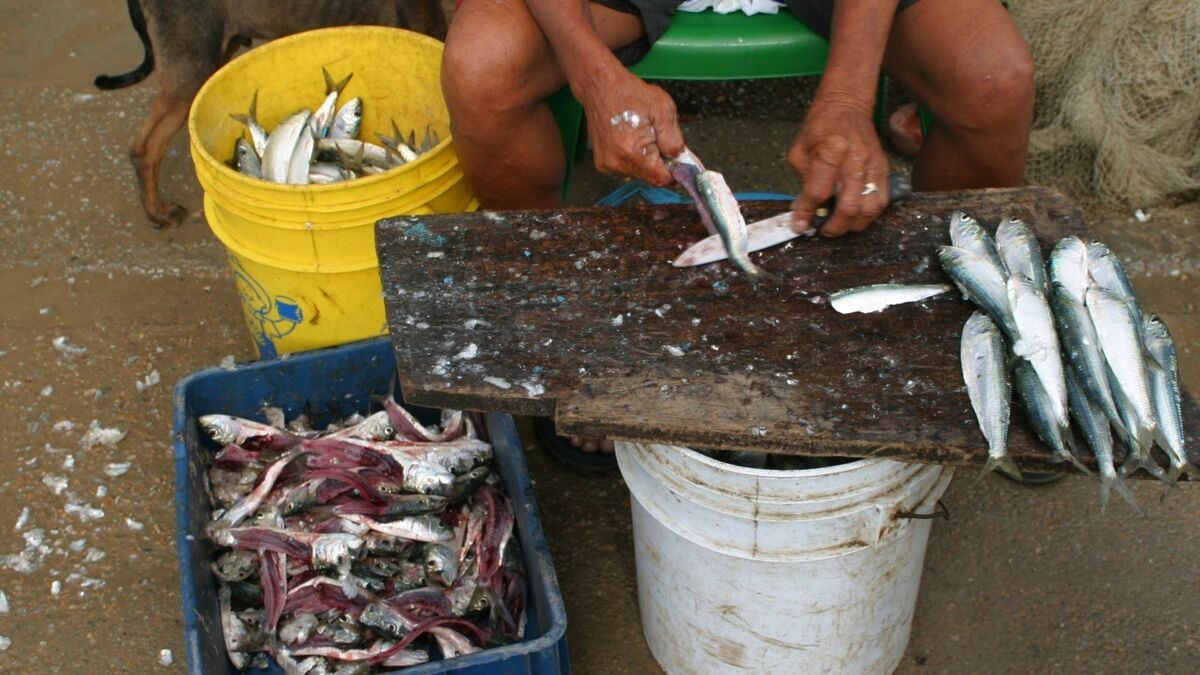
[(993, 91), (482, 77)]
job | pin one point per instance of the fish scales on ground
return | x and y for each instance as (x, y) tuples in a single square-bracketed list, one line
[(1104, 364), (330, 557), (321, 146)]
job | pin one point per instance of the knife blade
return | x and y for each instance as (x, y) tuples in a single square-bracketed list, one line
[(768, 232)]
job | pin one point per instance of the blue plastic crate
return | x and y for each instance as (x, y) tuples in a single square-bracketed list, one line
[(328, 384)]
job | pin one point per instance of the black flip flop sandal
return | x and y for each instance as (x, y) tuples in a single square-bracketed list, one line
[(561, 449)]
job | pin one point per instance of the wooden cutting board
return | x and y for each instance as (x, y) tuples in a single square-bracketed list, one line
[(579, 315)]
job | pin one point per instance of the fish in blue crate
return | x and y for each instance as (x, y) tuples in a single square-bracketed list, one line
[(375, 543)]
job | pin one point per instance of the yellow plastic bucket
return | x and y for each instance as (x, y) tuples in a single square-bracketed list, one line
[(303, 256)]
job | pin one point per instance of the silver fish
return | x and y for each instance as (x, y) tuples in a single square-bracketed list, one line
[(1165, 395), (1119, 326), (347, 120), (322, 119), (376, 427), (1138, 455), (1020, 251), (1095, 428), (1081, 346), (402, 152), (337, 551), (359, 152), (226, 429), (867, 299), (1037, 342), (281, 146), (967, 233), (1038, 410), (441, 563), (458, 456), (416, 528), (982, 282), (1068, 267), (727, 217), (302, 155), (430, 141), (328, 172), (258, 135), (247, 160), (983, 366), (240, 636), (1108, 273)]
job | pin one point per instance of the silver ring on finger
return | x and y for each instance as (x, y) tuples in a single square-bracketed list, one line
[(869, 189)]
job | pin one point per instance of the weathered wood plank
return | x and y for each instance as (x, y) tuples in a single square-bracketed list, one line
[(581, 315)]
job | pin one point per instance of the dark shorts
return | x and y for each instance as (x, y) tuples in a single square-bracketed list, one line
[(656, 17)]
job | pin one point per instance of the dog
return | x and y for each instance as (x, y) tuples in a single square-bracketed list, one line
[(188, 40)]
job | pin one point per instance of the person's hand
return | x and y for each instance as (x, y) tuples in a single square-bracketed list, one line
[(837, 152), (633, 127)]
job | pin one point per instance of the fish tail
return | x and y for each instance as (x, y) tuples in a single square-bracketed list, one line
[(1113, 482), (1004, 464), (1070, 452), (251, 114), (1138, 461), (1191, 470)]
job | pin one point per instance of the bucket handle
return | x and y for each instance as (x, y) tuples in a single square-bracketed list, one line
[(939, 511)]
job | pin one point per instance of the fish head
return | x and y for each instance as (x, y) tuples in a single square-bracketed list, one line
[(964, 229), (380, 617), (221, 428), (1068, 266), (1155, 330), (235, 565), (441, 563), (336, 550), (428, 479)]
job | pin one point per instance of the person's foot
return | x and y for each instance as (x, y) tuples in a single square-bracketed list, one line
[(592, 444), (904, 130), (585, 454)]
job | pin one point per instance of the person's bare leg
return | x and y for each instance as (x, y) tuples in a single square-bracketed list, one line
[(967, 63), (497, 71)]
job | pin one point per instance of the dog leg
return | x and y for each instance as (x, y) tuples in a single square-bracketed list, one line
[(167, 114)]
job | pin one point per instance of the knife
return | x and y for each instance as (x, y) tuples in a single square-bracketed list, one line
[(763, 234)]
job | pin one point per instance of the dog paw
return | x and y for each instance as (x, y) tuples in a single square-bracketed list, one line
[(172, 214)]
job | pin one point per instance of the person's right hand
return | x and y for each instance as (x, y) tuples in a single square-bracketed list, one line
[(633, 127)]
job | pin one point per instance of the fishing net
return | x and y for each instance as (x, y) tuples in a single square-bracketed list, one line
[(1117, 118)]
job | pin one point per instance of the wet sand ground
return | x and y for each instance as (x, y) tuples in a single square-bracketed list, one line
[(1019, 580)]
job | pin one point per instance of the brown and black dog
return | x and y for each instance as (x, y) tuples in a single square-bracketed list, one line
[(188, 40)]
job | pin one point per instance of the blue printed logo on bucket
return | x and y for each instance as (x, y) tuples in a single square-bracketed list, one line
[(269, 317)]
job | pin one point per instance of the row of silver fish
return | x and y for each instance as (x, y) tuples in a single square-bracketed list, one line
[(374, 543), (322, 146), (1072, 341)]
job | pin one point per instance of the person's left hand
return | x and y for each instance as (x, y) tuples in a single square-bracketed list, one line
[(837, 152)]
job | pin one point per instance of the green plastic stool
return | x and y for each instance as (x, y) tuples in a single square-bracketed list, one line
[(710, 46)]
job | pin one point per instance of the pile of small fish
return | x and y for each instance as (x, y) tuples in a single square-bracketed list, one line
[(377, 542), (1074, 342), (322, 147)]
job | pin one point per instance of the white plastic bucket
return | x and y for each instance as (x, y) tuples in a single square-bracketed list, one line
[(746, 570)]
